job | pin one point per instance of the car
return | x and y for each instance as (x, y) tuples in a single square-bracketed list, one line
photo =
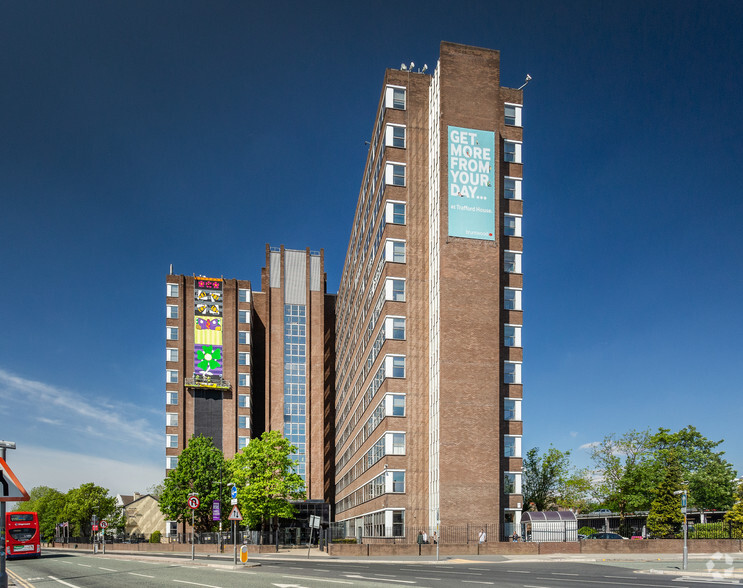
[(601, 511), (605, 536)]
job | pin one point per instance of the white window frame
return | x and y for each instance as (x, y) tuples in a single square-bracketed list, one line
[(389, 97), (517, 261), (516, 483), (171, 441), (243, 295), (516, 409), (517, 114), (247, 337), (389, 327), (516, 373), (171, 419), (516, 151), (171, 395), (516, 445), (242, 442), (171, 462), (389, 289), (389, 212), (171, 376), (389, 442), (390, 246), (171, 333), (516, 187), (390, 175), (172, 290), (246, 379), (243, 400), (171, 354), (243, 419), (243, 314), (171, 311), (389, 365), (516, 298), (389, 136), (243, 358), (516, 335), (516, 223), (389, 482), (389, 404)]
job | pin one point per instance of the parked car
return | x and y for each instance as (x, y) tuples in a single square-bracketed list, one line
[(605, 536), (601, 511)]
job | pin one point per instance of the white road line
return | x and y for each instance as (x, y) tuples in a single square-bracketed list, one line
[(108, 569), (564, 574), (85, 565), (479, 569), (323, 579), (422, 578), (141, 575), (357, 577), (518, 571), (602, 582), (475, 582), (63, 582), (196, 584), (529, 586)]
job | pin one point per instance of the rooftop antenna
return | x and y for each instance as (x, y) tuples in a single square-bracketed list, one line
[(403, 67), (425, 68), (528, 79), (411, 66), (171, 269)]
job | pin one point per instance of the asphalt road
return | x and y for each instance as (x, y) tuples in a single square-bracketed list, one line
[(79, 570)]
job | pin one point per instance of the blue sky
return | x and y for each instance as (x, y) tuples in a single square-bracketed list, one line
[(140, 134)]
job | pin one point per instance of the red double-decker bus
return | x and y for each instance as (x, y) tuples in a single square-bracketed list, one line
[(22, 536)]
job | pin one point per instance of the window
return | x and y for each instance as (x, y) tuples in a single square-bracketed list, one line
[(511, 409), (242, 442), (512, 262), (171, 398), (243, 337), (243, 400), (171, 311), (171, 419), (243, 358), (512, 335), (394, 98), (172, 290), (396, 366), (395, 327), (171, 333), (171, 376), (394, 213), (395, 174), (398, 405), (512, 372), (171, 354), (395, 136), (512, 188), (398, 443), (171, 462), (512, 225), (512, 151), (171, 441), (243, 295), (398, 481), (243, 317), (395, 289), (243, 379), (511, 483), (512, 115), (243, 421), (395, 251), (512, 298), (398, 523), (511, 446)]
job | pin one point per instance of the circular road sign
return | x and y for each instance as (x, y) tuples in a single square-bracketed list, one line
[(104, 524), (193, 502)]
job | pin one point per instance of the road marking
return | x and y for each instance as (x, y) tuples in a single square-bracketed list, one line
[(140, 575), (602, 582), (479, 569), (475, 582), (704, 580), (518, 571), (196, 584), (564, 574), (63, 582), (422, 578), (85, 565), (108, 569), (324, 579), (528, 586), (357, 577)]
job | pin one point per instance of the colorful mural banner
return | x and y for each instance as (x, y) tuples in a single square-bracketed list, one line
[(208, 331), (471, 183), (207, 360)]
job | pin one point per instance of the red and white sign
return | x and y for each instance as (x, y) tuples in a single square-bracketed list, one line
[(104, 524), (193, 502), (95, 527), (11, 490), (235, 514)]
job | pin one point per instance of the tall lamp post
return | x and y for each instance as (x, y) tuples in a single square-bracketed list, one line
[(3, 574), (683, 510)]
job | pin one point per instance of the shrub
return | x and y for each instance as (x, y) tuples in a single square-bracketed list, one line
[(155, 537), (346, 540), (586, 531)]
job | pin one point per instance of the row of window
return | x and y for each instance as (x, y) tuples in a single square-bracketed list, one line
[(173, 291), (389, 482)]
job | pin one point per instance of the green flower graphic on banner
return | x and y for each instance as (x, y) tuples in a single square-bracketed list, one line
[(208, 360)]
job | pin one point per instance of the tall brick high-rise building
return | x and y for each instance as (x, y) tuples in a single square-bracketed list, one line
[(428, 332), (403, 393)]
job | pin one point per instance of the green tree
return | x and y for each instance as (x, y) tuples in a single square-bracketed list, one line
[(80, 504), (264, 473), (550, 480), (735, 515), (198, 470), (665, 518), (47, 503), (156, 490)]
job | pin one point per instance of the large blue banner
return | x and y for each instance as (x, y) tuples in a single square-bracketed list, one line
[(471, 183)]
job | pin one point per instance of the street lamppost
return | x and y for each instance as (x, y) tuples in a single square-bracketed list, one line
[(3, 574), (683, 510)]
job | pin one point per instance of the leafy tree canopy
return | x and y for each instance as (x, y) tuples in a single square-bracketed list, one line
[(47, 503), (198, 470), (549, 480), (735, 515), (80, 504), (665, 518), (264, 473)]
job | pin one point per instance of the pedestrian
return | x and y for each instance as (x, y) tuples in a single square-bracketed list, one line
[(515, 537), (425, 537), (435, 538), (420, 537), (482, 537)]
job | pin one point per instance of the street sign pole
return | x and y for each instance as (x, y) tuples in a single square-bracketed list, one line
[(193, 504), (3, 573), (234, 543)]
